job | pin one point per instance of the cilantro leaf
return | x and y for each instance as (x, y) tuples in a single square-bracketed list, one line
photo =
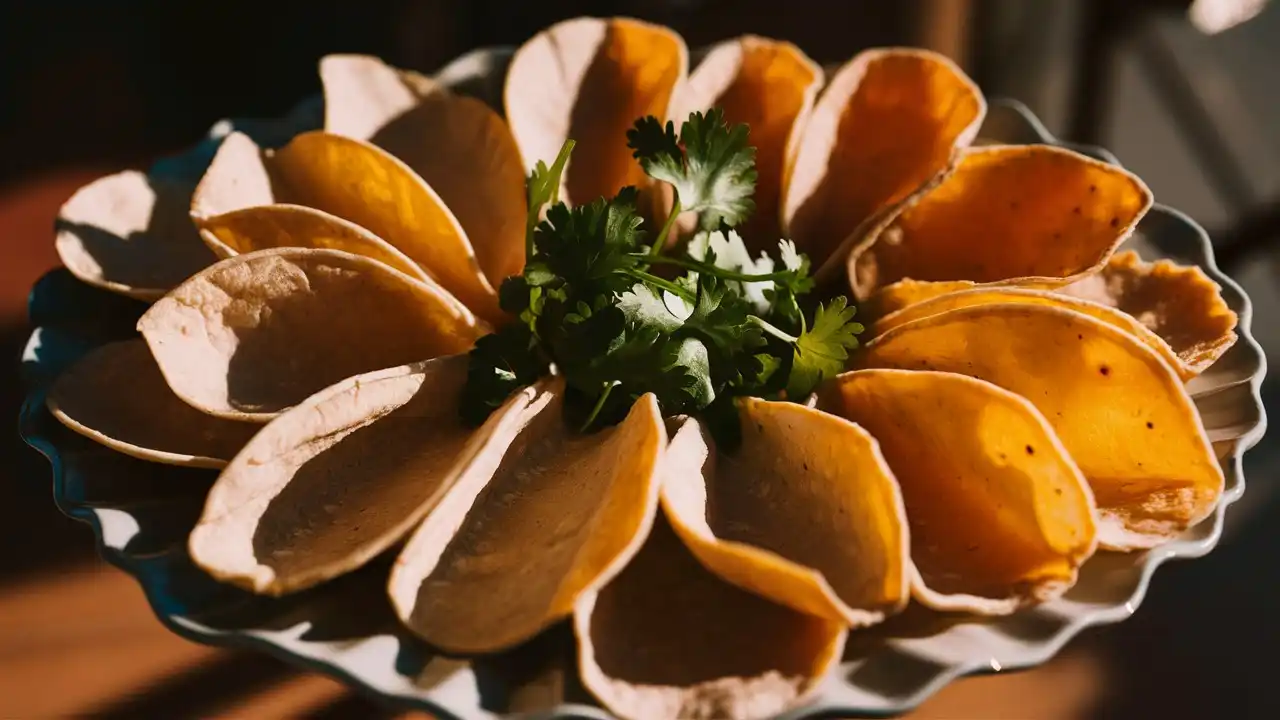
[(644, 359), (645, 305), (585, 247), (696, 386), (713, 175), (498, 365), (720, 317), (821, 350), (766, 368)]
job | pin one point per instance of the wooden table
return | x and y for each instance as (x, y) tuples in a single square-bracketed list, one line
[(77, 637)]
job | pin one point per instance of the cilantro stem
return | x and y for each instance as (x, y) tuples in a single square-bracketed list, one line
[(600, 401), (656, 281), (661, 240), (530, 223), (772, 330), (721, 273), (543, 188)]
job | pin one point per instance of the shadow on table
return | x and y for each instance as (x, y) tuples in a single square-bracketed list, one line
[(1203, 643)]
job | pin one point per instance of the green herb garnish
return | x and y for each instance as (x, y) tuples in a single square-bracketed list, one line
[(617, 318), (713, 175)]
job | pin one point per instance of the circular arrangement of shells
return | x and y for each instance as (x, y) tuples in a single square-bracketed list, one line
[(1019, 403)]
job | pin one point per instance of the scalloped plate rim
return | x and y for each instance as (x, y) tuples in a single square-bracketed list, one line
[(366, 681)]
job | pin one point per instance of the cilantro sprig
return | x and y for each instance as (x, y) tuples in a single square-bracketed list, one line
[(617, 318), (711, 167)]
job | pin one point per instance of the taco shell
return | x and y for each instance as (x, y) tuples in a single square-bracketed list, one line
[(1119, 409), (796, 468), (538, 517), (1000, 516)]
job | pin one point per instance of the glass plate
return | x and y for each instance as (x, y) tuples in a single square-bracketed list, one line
[(141, 513)]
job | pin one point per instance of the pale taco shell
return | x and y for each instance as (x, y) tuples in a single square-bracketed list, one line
[(590, 79), (741, 513), (990, 295), (1119, 409), (1000, 515), (539, 516), (1034, 215), (355, 181), (339, 478), (1178, 303), (665, 638), (771, 86), (889, 121), (362, 94), (130, 234), (458, 145), (257, 333), (116, 396)]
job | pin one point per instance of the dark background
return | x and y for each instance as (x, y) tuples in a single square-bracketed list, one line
[(89, 87), (117, 81)]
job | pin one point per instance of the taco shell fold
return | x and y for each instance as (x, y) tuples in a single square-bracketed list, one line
[(590, 79), (797, 467), (283, 226), (130, 234), (888, 123), (1119, 409), (363, 94), (257, 333), (339, 478), (1031, 215), (904, 293), (1178, 303), (458, 145), (993, 295), (993, 526), (357, 182), (665, 638), (539, 516), (115, 395)]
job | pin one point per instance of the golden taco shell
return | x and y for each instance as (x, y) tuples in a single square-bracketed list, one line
[(1178, 303), (771, 86), (906, 293), (281, 226), (590, 79), (993, 295), (665, 638), (1018, 215), (1119, 409), (805, 512), (355, 181), (457, 144), (537, 517), (1000, 516), (130, 234), (116, 396), (257, 333), (888, 122), (338, 478)]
